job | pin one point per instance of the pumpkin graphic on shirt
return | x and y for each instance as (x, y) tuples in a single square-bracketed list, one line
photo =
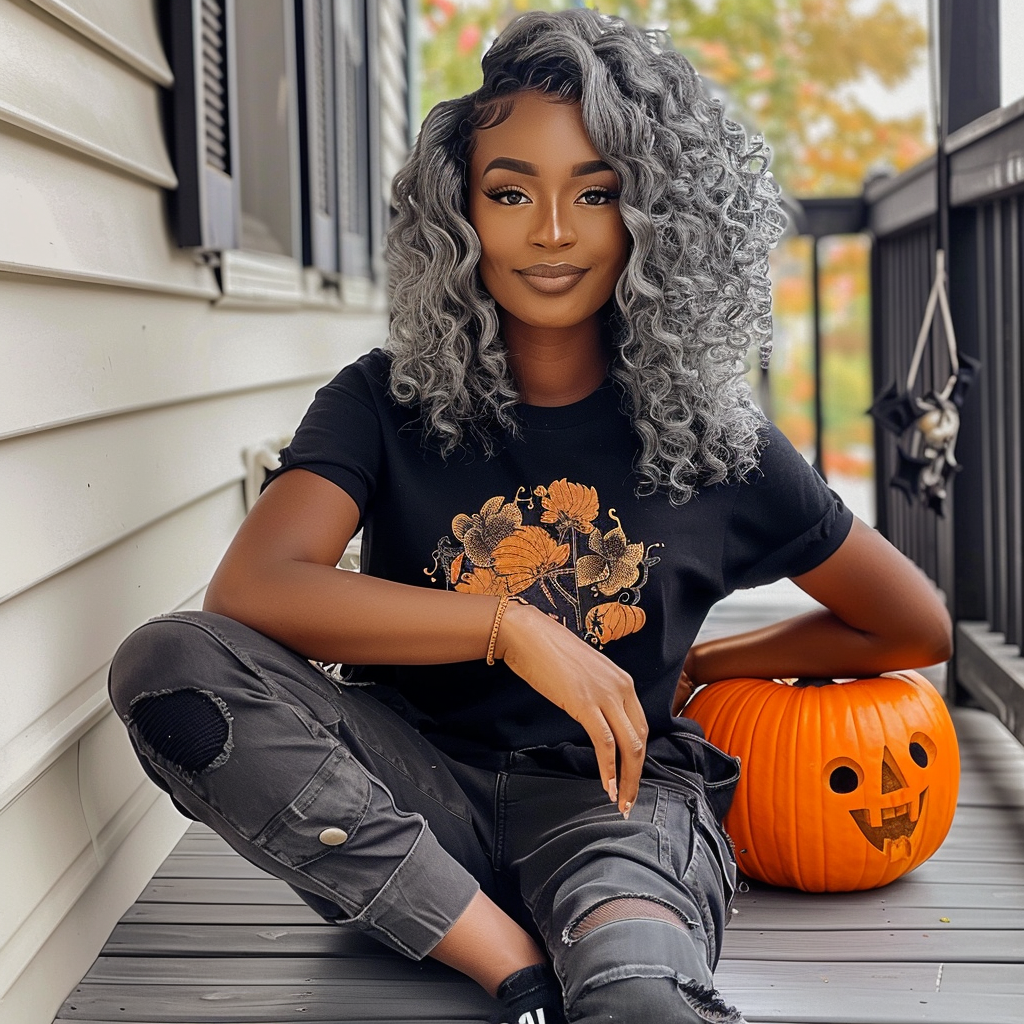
[(550, 547)]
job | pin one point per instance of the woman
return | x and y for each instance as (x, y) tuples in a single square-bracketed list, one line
[(558, 469)]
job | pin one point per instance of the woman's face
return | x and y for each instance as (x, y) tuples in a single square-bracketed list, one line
[(545, 207)]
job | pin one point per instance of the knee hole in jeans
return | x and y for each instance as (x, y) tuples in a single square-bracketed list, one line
[(191, 728), (709, 1005), (660, 997), (625, 908)]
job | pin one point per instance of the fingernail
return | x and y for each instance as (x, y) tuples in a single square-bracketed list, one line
[(625, 813), (613, 791)]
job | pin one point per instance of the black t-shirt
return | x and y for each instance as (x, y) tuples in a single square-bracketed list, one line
[(554, 518)]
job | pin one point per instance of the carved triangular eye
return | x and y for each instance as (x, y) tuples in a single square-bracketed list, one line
[(892, 777)]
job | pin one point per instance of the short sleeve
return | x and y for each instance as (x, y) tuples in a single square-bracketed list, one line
[(340, 436), (785, 520)]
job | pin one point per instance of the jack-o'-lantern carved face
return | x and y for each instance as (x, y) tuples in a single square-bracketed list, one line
[(890, 812), (865, 791)]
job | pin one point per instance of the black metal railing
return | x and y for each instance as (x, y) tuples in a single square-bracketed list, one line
[(999, 232), (902, 270), (975, 552)]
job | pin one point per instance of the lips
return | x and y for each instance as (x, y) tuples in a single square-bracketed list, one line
[(543, 277), (551, 270)]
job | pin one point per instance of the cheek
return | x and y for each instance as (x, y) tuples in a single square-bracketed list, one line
[(495, 256), (489, 279), (620, 242)]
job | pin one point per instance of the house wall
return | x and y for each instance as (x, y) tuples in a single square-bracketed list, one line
[(129, 388)]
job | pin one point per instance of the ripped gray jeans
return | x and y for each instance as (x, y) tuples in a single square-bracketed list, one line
[(378, 830)]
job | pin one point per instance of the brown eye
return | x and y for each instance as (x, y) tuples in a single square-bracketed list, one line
[(598, 197), (515, 197)]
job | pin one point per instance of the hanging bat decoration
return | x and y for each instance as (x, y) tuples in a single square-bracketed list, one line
[(927, 426)]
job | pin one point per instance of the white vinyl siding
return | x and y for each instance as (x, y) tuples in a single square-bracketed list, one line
[(130, 386)]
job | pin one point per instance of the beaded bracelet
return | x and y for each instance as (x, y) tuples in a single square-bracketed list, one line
[(502, 605)]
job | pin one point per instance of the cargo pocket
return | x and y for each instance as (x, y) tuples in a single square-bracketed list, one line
[(324, 816)]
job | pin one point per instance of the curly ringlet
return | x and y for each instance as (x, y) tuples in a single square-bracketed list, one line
[(703, 212)]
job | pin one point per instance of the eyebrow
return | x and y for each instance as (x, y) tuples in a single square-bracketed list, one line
[(522, 167)]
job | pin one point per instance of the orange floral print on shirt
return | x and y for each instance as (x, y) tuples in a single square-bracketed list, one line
[(480, 533), (530, 549), (482, 581), (568, 506), (615, 565)]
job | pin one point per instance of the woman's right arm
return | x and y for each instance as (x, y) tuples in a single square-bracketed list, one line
[(278, 576)]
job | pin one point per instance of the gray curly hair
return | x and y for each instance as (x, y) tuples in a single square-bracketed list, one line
[(703, 212)]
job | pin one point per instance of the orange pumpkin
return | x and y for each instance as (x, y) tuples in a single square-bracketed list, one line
[(844, 785)]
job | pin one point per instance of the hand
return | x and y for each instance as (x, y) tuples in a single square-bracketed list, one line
[(585, 684), (684, 691)]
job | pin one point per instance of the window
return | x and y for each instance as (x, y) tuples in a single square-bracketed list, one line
[(276, 126), (268, 127), (353, 138)]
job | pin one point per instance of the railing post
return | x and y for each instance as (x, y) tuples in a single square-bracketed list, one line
[(878, 384), (968, 47), (819, 419)]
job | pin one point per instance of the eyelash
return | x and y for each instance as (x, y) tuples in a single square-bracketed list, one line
[(497, 193)]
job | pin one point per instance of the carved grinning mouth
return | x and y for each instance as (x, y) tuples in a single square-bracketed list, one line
[(896, 823)]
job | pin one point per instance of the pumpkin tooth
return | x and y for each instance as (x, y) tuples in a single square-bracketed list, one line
[(894, 823), (914, 810)]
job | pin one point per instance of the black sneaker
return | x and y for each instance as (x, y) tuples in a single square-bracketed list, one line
[(537, 1016), (531, 996)]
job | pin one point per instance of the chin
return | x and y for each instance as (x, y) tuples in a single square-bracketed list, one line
[(560, 313)]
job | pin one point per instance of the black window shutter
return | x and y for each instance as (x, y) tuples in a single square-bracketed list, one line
[(205, 206), (315, 37), (353, 121)]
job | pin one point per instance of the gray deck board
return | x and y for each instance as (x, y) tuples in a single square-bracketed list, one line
[(214, 939), (985, 871), (754, 916), (451, 999), (220, 913), (227, 1004)]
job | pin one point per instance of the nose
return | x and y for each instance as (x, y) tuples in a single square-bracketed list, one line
[(552, 226)]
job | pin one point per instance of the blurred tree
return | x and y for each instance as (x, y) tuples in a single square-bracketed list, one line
[(785, 65), (791, 377), (846, 355)]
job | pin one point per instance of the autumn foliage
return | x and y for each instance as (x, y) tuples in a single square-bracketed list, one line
[(785, 68)]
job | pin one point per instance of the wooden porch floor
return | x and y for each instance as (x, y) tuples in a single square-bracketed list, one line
[(214, 939)]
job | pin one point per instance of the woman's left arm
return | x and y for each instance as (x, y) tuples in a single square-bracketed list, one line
[(881, 613)]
